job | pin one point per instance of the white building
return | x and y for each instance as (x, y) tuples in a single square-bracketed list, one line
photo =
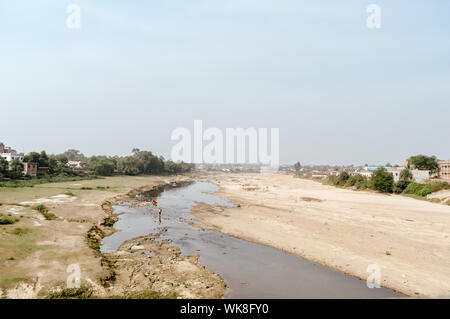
[(9, 154), (419, 176), (395, 171)]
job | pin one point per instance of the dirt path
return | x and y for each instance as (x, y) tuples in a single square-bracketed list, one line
[(340, 228)]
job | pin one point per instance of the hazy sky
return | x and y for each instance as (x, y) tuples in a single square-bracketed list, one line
[(340, 93)]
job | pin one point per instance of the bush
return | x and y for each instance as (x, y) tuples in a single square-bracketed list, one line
[(342, 178), (7, 220), (400, 186), (418, 189), (382, 181), (356, 180)]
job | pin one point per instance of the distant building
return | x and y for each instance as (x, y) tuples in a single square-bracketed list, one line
[(395, 171), (419, 176), (10, 154), (77, 166), (444, 170), (367, 171), (30, 169)]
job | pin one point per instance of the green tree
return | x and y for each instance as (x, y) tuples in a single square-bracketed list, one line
[(102, 166), (32, 157), (43, 159), (57, 165), (128, 165), (75, 155), (423, 162), (382, 181), (15, 168), (342, 178), (404, 180), (4, 166), (406, 175)]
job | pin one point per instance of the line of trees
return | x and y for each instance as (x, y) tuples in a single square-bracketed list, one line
[(138, 163)]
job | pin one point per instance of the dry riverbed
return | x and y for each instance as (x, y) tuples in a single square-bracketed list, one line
[(340, 228), (36, 251)]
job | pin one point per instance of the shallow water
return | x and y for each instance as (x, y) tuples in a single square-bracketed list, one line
[(250, 270)]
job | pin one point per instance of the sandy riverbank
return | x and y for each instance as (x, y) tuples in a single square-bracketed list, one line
[(340, 228), (35, 252)]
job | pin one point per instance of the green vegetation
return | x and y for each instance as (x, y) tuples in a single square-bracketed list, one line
[(31, 181), (423, 162), (382, 181), (101, 166), (358, 181), (109, 222), (438, 186), (148, 294), (17, 244), (405, 179), (418, 189), (6, 220), (15, 169), (55, 168), (72, 293)]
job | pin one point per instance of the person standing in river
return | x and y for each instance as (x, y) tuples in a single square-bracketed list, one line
[(159, 213)]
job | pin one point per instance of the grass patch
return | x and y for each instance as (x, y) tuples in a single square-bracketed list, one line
[(86, 188), (8, 220), (16, 245), (148, 294), (21, 231), (30, 182), (109, 222), (72, 293), (69, 193)]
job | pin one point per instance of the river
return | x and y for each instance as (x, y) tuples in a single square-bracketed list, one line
[(250, 270)]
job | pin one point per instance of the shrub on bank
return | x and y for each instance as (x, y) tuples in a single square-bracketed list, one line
[(418, 189), (400, 186), (382, 181), (359, 181)]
